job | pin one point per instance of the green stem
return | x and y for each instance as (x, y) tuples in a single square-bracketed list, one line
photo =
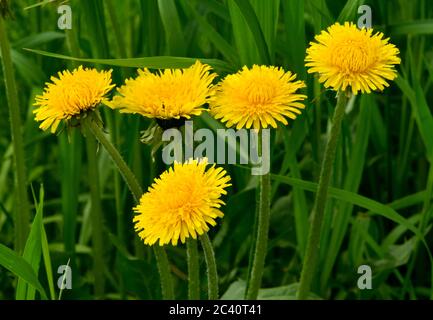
[(261, 244), (212, 275), (261, 238), (134, 187), (318, 116), (164, 272), (121, 165), (118, 194), (191, 244), (193, 269), (253, 239), (310, 260), (96, 217), (22, 216), (70, 166)]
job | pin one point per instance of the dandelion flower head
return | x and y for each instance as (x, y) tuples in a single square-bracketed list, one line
[(71, 94), (181, 203), (168, 94), (347, 57), (258, 97)]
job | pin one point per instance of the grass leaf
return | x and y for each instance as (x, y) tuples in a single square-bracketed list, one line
[(20, 267), (347, 196), (146, 62)]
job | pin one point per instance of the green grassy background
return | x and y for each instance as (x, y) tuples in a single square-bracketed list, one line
[(382, 179)]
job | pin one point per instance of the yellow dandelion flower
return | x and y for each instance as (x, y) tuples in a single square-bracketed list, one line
[(345, 56), (181, 203), (169, 94), (258, 98), (70, 95)]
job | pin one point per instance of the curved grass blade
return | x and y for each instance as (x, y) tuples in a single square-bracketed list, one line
[(361, 201), (356, 199), (172, 27), (350, 10), (421, 111), (253, 23), (159, 62), (10, 260), (42, 3), (419, 27), (219, 42), (32, 254)]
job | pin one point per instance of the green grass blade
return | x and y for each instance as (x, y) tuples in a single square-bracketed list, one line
[(46, 255), (421, 112), (38, 39), (268, 13), (159, 62), (120, 41), (217, 7), (172, 26), (294, 23), (250, 17), (350, 10), (300, 207), (321, 15), (95, 22), (22, 217), (419, 27), (356, 199), (32, 254), (20, 267), (153, 34), (70, 163), (39, 4), (219, 42)]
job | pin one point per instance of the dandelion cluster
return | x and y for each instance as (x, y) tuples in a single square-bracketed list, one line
[(186, 199)]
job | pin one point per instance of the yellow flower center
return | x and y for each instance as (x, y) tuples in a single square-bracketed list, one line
[(260, 94), (353, 55)]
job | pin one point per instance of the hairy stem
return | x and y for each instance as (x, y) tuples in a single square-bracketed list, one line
[(310, 259), (212, 275), (134, 187), (96, 217), (193, 269), (261, 238), (261, 244), (22, 215)]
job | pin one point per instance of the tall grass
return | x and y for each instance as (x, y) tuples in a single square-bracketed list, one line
[(379, 210)]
